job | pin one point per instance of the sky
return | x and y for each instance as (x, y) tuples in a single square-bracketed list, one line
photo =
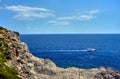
[(61, 16)]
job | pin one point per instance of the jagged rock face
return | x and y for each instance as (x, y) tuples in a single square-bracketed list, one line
[(31, 67)]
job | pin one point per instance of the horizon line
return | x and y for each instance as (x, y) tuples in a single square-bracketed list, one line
[(64, 33)]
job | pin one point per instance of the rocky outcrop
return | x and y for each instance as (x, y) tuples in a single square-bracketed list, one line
[(31, 67)]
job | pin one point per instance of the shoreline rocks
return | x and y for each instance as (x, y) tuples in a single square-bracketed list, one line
[(31, 67)]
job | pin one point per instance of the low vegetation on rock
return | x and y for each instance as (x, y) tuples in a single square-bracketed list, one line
[(5, 55)]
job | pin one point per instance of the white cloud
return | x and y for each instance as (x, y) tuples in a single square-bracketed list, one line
[(80, 17), (29, 13), (60, 23), (31, 16), (20, 8), (91, 14), (95, 11), (85, 17), (66, 18)]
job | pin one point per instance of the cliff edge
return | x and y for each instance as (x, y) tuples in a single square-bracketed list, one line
[(16, 62)]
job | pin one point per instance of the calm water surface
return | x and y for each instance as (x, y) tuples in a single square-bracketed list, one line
[(68, 50)]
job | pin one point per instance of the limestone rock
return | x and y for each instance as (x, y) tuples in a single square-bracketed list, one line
[(31, 67)]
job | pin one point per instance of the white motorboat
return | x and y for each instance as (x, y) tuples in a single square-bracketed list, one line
[(90, 49)]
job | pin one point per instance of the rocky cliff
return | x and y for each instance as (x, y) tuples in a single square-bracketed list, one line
[(18, 62)]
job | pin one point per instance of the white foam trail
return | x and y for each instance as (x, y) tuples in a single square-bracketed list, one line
[(66, 50)]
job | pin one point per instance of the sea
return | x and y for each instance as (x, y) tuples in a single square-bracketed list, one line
[(70, 50)]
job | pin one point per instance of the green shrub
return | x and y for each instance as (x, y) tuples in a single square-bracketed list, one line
[(5, 71)]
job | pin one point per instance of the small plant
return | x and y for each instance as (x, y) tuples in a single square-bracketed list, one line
[(5, 71)]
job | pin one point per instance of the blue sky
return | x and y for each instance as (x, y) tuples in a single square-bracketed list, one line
[(60, 16)]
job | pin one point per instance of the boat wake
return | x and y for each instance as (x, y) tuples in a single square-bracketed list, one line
[(85, 50), (65, 50)]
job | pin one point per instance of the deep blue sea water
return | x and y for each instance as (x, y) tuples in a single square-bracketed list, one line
[(67, 50)]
